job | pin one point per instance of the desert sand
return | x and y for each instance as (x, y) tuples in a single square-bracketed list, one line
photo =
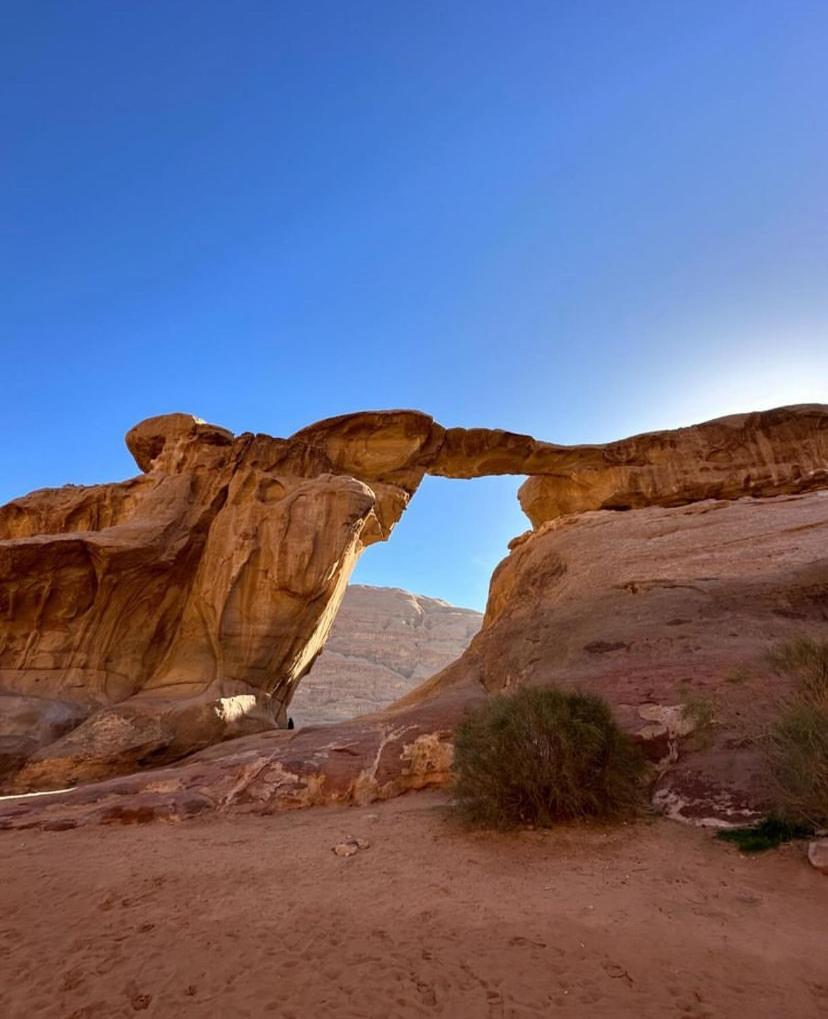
[(256, 916)]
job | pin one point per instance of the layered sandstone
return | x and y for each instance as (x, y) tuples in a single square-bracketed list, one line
[(384, 643), (144, 620), (774, 452), (182, 607), (668, 613)]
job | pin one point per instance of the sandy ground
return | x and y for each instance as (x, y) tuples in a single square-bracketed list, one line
[(255, 916)]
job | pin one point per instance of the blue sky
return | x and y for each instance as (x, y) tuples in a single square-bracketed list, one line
[(578, 220)]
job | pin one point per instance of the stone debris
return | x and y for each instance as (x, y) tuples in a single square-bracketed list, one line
[(350, 846)]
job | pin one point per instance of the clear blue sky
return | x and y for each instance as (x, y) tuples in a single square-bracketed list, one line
[(576, 219)]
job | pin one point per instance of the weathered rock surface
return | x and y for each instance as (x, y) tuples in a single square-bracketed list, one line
[(668, 613), (818, 855), (384, 642), (182, 607), (774, 452), (372, 758)]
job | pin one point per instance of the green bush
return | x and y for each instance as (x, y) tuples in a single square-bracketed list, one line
[(797, 741), (543, 755)]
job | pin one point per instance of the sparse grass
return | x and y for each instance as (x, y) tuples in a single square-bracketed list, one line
[(807, 661), (773, 831), (797, 742), (540, 756), (698, 709), (738, 674)]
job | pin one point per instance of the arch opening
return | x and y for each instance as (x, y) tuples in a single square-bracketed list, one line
[(414, 602)]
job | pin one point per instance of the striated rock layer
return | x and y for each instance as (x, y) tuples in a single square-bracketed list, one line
[(145, 620), (669, 613), (182, 607), (384, 643), (773, 452)]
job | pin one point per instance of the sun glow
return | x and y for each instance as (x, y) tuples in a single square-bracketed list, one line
[(770, 374)]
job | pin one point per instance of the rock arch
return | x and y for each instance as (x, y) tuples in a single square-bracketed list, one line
[(143, 620)]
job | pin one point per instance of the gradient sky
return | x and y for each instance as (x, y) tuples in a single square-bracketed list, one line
[(580, 220)]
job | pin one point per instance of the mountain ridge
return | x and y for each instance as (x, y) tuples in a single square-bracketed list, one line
[(384, 643)]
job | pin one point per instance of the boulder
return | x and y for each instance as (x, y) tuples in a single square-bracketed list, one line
[(818, 855)]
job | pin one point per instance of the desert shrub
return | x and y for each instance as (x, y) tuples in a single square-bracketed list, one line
[(543, 755), (806, 661), (738, 674), (699, 710), (797, 742), (769, 833)]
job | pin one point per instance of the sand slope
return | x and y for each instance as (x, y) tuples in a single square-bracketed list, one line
[(257, 917)]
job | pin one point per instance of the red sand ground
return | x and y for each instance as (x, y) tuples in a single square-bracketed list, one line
[(255, 916)]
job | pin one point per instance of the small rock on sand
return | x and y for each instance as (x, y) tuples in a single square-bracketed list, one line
[(818, 855), (350, 846)]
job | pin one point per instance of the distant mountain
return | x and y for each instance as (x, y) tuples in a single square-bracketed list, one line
[(385, 641)]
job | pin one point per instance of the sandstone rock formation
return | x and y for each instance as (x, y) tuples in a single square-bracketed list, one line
[(182, 607), (773, 452), (384, 643), (144, 620), (669, 613)]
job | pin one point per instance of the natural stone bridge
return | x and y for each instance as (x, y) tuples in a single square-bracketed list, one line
[(143, 620)]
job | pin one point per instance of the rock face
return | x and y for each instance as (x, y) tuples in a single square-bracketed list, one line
[(384, 642), (775, 452), (182, 607), (668, 613), (145, 620)]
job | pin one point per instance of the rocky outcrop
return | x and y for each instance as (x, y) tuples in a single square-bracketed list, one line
[(774, 452), (182, 607), (669, 613), (384, 643), (145, 620), (360, 761)]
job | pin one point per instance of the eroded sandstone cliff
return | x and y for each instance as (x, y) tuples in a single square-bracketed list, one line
[(668, 613), (384, 643), (182, 607), (142, 621)]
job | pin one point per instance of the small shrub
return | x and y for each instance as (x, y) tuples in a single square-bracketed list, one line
[(543, 755), (738, 674), (700, 711), (773, 831), (806, 661), (697, 708), (797, 742)]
